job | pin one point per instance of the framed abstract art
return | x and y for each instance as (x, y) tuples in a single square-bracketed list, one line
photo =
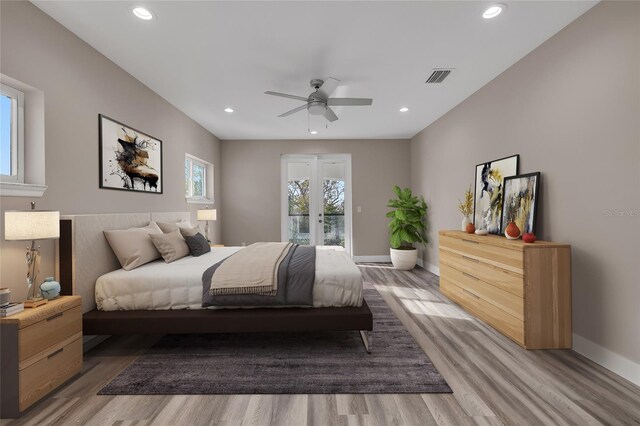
[(520, 204), (489, 185), (129, 159)]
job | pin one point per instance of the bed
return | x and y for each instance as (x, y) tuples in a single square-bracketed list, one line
[(160, 298)]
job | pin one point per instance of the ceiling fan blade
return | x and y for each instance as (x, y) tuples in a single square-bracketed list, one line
[(349, 101), (284, 95), (330, 115), (293, 111), (328, 87)]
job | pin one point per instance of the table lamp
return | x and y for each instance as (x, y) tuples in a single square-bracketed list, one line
[(32, 225), (207, 215)]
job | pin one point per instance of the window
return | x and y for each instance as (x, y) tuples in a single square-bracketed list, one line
[(198, 180), (11, 134)]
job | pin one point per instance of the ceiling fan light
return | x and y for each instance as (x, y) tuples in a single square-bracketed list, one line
[(313, 132), (317, 108)]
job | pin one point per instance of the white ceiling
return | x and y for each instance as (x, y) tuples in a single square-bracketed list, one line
[(204, 56)]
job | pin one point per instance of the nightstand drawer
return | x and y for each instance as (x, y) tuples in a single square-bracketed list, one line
[(48, 373), (51, 330)]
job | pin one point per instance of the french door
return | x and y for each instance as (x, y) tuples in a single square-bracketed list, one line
[(316, 200)]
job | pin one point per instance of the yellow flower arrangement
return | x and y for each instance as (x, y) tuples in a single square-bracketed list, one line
[(466, 207)]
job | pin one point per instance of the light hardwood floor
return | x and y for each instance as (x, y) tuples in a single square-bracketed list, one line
[(494, 381)]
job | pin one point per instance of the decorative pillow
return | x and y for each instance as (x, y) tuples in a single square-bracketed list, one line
[(198, 244), (132, 246), (173, 226), (189, 232), (171, 246)]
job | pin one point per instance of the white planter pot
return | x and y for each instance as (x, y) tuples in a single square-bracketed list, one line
[(465, 222), (404, 259)]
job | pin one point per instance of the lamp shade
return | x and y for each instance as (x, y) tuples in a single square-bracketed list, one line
[(31, 225), (208, 214)]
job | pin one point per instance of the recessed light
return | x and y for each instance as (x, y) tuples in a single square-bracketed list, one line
[(313, 132), (493, 11), (228, 109), (404, 109), (143, 13)]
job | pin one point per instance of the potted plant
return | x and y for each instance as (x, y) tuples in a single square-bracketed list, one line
[(406, 227), (466, 208)]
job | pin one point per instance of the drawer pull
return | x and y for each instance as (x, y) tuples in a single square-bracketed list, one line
[(470, 259), (473, 294), (59, 351), (470, 276), (58, 315), (470, 241)]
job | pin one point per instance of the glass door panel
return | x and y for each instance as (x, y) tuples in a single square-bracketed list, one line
[(299, 202), (332, 229)]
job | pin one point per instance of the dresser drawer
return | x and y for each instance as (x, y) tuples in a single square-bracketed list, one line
[(57, 327), (501, 320), (51, 371), (497, 297), (498, 277), (505, 258)]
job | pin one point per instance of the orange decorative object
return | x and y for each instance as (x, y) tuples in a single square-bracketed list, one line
[(512, 232), (470, 228), (529, 238)]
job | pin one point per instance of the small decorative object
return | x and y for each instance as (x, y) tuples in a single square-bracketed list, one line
[(529, 238), (5, 296), (206, 215), (489, 191), (129, 160), (406, 227), (512, 231), (32, 225), (521, 200), (50, 288), (466, 208), (481, 232), (470, 228)]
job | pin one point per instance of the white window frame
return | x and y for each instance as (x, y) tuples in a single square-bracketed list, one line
[(208, 183), (17, 134)]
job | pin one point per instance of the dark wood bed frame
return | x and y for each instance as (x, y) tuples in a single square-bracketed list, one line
[(212, 320)]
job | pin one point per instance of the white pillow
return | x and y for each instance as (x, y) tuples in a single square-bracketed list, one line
[(171, 245), (133, 247)]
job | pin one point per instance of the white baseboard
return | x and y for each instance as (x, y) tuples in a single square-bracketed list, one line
[(373, 259), (431, 268), (620, 365)]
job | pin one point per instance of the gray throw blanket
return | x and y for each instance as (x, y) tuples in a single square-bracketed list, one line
[(296, 276)]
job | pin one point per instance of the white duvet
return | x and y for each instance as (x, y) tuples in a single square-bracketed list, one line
[(178, 285)]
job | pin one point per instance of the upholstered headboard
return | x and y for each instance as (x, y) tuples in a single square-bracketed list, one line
[(83, 253)]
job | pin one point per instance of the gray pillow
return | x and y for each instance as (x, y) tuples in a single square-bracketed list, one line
[(198, 244), (171, 246)]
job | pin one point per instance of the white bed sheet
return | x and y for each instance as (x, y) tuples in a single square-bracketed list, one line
[(178, 285)]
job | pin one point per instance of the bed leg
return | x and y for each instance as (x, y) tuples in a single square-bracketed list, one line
[(366, 341)]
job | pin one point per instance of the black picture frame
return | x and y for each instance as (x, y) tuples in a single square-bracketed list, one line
[(111, 173), (495, 218), (530, 226)]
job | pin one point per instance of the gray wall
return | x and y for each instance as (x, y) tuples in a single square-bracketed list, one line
[(78, 83), (251, 187), (571, 109)]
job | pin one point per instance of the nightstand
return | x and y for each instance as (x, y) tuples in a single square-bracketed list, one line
[(41, 349)]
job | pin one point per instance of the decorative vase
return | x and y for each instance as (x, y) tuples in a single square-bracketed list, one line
[(50, 289), (529, 238), (404, 259), (465, 222), (512, 232), (470, 229)]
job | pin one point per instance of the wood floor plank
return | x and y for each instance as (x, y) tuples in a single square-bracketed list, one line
[(494, 381)]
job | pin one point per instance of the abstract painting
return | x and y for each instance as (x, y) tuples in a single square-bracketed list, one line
[(520, 201), (129, 159), (489, 189)]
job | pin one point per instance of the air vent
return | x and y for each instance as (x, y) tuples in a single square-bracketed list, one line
[(438, 75)]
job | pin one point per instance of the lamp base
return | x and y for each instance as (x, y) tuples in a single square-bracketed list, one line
[(35, 302)]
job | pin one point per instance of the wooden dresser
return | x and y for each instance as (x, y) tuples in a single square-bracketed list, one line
[(522, 290), (41, 349)]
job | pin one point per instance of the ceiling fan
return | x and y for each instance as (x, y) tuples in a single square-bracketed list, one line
[(319, 102)]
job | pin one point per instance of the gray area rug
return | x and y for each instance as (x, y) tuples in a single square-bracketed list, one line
[(291, 363)]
